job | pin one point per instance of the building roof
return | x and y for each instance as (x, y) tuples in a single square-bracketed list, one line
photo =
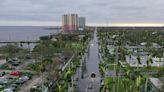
[(157, 82)]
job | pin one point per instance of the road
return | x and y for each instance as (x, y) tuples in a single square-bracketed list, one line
[(138, 47), (24, 64), (92, 65)]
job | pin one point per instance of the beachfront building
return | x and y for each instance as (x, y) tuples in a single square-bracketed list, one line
[(69, 22), (82, 22)]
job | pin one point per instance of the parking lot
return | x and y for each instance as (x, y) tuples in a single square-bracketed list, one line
[(13, 75), (12, 81)]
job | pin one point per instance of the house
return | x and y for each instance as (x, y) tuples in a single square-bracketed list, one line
[(143, 43), (156, 85)]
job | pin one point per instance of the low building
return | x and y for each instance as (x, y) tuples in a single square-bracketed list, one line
[(156, 85), (133, 62)]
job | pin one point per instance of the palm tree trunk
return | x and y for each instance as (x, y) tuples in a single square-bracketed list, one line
[(145, 90)]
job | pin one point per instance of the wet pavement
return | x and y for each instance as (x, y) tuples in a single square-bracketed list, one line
[(88, 84)]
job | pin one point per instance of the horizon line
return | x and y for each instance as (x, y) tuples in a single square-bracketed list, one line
[(101, 24)]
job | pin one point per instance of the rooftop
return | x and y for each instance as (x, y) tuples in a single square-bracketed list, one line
[(157, 82)]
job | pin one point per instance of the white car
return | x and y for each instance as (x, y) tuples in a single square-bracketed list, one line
[(7, 90), (24, 78), (1, 86)]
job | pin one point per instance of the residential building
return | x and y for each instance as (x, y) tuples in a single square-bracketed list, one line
[(155, 85), (69, 22), (82, 22)]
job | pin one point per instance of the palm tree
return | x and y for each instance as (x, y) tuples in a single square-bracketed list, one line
[(130, 56), (102, 68), (41, 69), (139, 59), (125, 81), (59, 88), (146, 83), (138, 83), (106, 85)]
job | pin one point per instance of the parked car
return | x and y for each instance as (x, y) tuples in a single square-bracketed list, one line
[(14, 85), (24, 78), (5, 81), (13, 88), (1, 86), (29, 76), (15, 73), (10, 61), (19, 81), (10, 78), (28, 57), (15, 64), (2, 74), (8, 90), (2, 83)]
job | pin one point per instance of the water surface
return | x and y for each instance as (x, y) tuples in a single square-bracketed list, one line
[(23, 33)]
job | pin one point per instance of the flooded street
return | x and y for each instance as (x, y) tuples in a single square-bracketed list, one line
[(88, 84)]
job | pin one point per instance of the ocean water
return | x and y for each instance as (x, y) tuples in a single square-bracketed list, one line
[(24, 33)]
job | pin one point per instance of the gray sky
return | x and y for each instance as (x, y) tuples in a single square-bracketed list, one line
[(96, 11)]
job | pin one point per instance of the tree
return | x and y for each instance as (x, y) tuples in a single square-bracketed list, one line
[(139, 59)]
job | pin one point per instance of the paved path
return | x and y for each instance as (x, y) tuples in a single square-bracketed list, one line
[(33, 82), (24, 64)]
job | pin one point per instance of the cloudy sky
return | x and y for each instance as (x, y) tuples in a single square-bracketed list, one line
[(96, 11)]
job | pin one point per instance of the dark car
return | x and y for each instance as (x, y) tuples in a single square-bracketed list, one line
[(19, 81), (14, 85), (10, 78), (93, 75), (28, 57), (2, 74), (10, 61), (2, 83), (15, 64)]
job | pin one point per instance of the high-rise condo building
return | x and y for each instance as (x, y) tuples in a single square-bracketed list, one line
[(81, 23), (69, 22)]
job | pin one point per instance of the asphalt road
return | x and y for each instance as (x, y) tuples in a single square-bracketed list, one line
[(92, 66)]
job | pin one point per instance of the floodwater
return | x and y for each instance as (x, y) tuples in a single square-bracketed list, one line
[(92, 66)]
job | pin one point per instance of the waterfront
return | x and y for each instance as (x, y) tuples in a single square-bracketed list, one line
[(24, 33), (86, 61)]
